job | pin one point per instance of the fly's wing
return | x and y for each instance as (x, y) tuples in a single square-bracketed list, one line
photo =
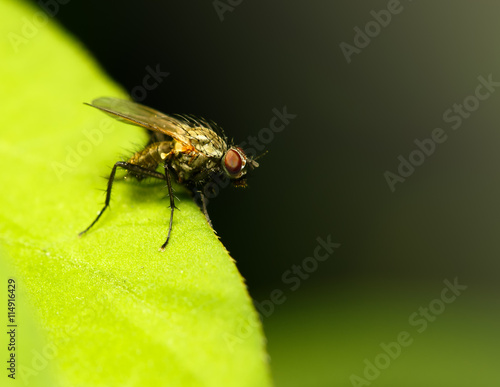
[(140, 115), (199, 133)]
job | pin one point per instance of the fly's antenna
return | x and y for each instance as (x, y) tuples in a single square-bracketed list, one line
[(261, 155), (253, 162)]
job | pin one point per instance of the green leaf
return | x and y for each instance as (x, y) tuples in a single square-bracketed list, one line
[(111, 308)]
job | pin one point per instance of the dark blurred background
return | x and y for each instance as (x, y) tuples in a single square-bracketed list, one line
[(324, 173)]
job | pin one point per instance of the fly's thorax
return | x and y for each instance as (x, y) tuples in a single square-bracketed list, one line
[(206, 141), (190, 167)]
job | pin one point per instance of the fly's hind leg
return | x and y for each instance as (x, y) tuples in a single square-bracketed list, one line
[(172, 205), (136, 170)]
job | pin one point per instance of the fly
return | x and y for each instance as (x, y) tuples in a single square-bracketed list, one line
[(193, 149)]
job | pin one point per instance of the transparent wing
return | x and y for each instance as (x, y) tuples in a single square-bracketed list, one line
[(140, 115), (203, 135)]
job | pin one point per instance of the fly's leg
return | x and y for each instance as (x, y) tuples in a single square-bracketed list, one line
[(204, 207), (136, 169), (172, 205), (202, 202)]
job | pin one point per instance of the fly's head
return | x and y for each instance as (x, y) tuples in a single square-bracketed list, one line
[(236, 164)]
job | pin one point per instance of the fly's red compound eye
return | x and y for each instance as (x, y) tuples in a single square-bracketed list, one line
[(233, 162)]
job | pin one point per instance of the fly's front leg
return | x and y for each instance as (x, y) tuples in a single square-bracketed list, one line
[(204, 204), (172, 205), (136, 169)]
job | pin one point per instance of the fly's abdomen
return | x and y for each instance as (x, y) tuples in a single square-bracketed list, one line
[(150, 157)]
